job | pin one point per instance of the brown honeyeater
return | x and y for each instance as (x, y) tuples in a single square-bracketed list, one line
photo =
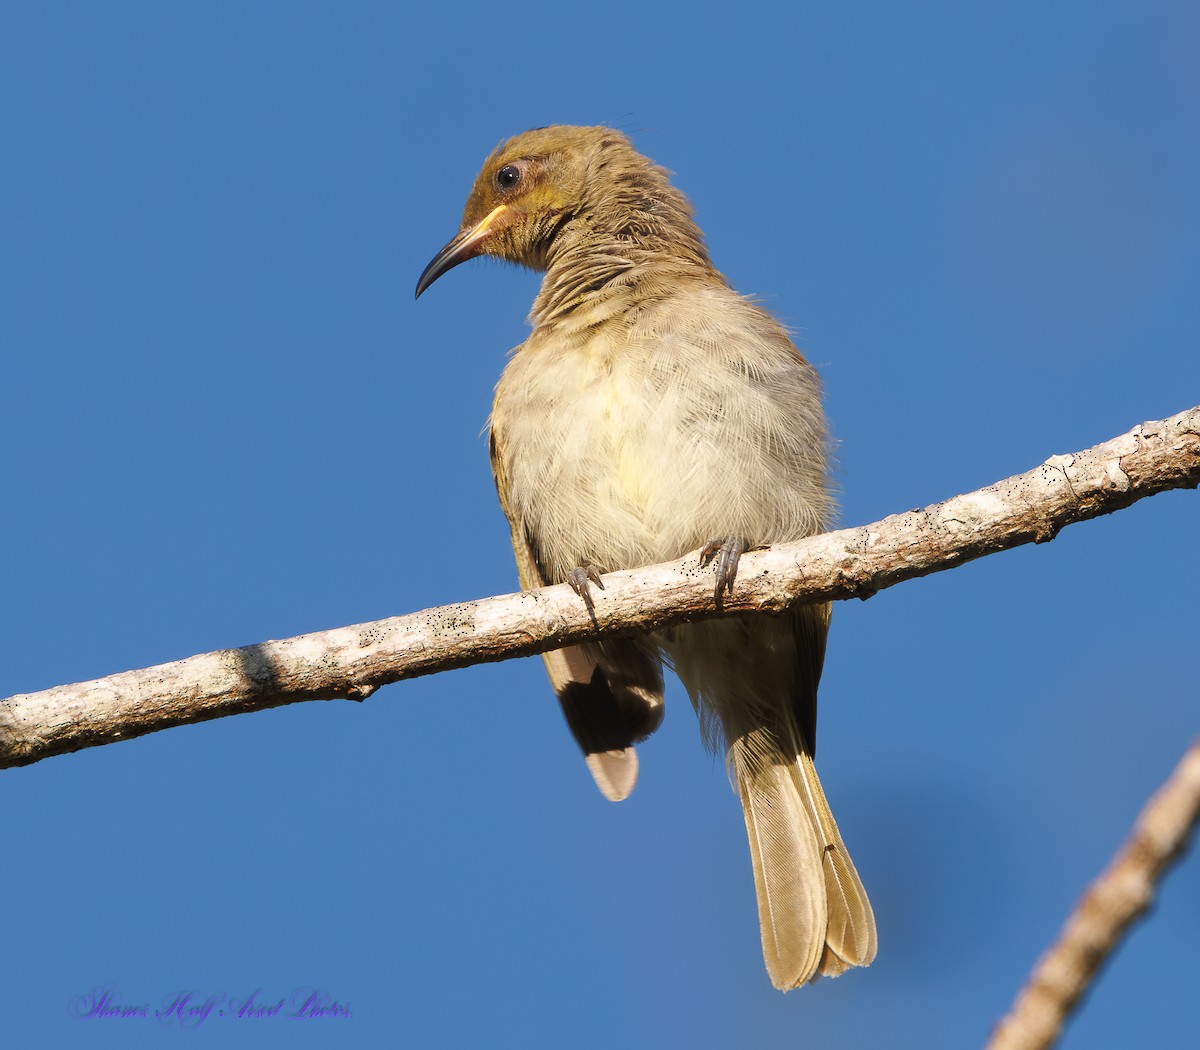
[(654, 411)]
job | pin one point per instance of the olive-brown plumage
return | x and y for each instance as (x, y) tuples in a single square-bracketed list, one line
[(651, 412)]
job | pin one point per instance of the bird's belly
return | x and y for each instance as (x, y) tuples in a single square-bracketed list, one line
[(617, 461), (593, 472)]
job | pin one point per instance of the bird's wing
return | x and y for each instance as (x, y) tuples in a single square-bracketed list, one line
[(811, 628), (610, 692)]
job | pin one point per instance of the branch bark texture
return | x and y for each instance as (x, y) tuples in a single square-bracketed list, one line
[(352, 662), (1112, 903)]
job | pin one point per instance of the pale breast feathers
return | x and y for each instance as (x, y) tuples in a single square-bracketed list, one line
[(591, 469)]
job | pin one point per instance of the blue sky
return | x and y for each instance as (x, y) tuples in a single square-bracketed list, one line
[(224, 419)]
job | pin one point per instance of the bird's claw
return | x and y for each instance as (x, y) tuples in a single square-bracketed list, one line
[(581, 580), (725, 550)]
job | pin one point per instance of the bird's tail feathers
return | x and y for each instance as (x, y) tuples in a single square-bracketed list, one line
[(850, 933), (787, 874), (813, 912)]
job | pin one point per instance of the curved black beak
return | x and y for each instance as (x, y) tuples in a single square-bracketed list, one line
[(465, 246)]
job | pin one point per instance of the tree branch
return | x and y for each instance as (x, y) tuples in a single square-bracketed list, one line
[(1122, 893), (353, 662)]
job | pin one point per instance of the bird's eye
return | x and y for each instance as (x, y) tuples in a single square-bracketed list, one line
[(508, 177)]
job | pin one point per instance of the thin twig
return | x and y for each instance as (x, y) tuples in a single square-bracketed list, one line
[(353, 662), (1122, 893)]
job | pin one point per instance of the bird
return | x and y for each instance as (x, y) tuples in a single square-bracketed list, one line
[(654, 412)]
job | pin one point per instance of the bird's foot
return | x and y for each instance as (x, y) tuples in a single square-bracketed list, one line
[(581, 580), (725, 551)]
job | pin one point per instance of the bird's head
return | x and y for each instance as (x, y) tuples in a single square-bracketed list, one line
[(560, 184)]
